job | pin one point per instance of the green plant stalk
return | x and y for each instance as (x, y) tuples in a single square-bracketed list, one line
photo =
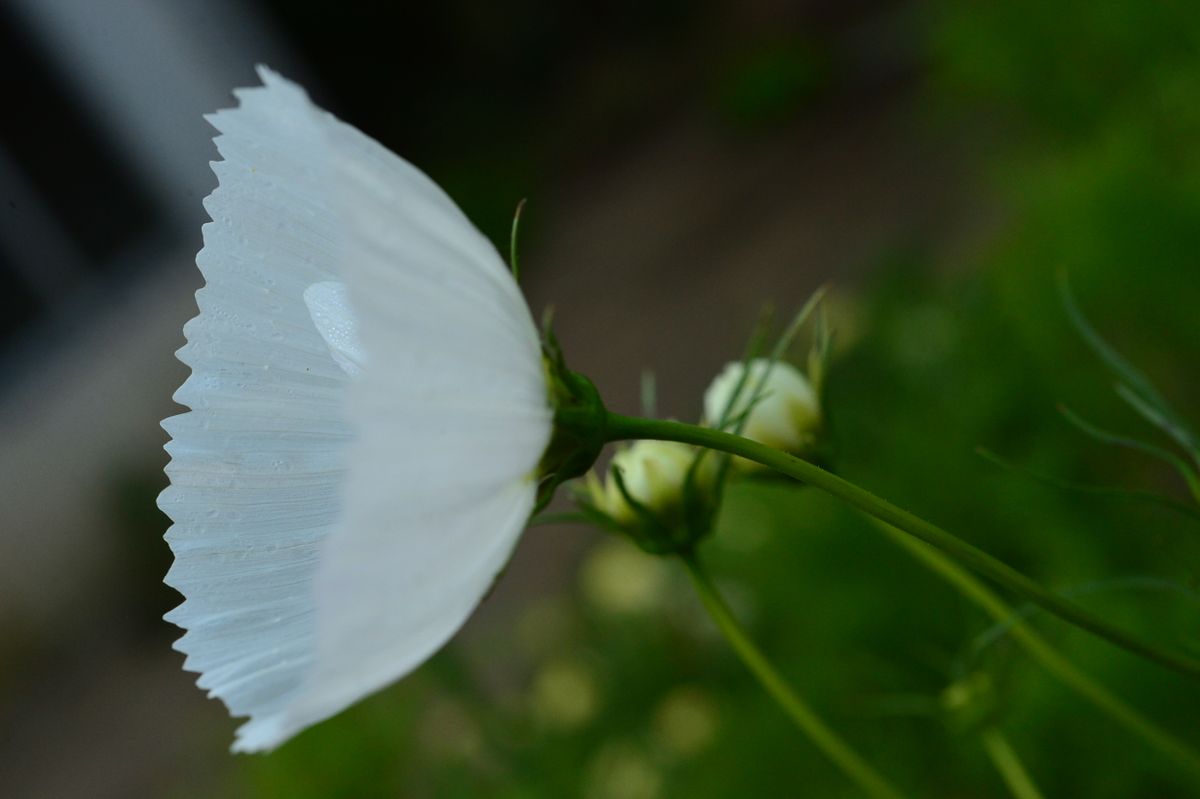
[(1005, 759), (822, 736), (1040, 650), (620, 427)]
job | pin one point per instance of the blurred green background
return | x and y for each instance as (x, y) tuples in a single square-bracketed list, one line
[(686, 163)]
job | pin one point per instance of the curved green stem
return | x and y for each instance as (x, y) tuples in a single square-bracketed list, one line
[(1040, 650), (1005, 759), (627, 427), (824, 738)]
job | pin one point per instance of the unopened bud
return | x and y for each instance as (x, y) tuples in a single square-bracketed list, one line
[(781, 411), (653, 473)]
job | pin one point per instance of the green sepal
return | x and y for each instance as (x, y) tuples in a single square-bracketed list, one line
[(658, 535), (672, 530), (668, 531), (579, 422)]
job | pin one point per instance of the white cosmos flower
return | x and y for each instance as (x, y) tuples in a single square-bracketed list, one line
[(368, 411)]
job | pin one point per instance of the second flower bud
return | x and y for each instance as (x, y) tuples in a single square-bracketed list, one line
[(775, 405), (658, 492)]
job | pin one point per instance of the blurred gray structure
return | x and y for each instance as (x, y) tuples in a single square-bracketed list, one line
[(84, 384)]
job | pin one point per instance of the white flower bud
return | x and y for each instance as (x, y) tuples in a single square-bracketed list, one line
[(654, 473), (787, 414)]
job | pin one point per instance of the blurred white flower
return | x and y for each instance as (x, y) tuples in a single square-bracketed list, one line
[(653, 472), (347, 483), (787, 414)]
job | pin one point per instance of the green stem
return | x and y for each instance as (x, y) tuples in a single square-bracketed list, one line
[(824, 738), (1005, 759), (627, 427), (1040, 650)]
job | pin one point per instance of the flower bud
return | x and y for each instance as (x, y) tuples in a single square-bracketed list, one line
[(787, 414), (653, 472), (971, 703)]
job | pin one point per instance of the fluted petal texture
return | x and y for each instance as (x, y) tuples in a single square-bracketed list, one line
[(368, 410)]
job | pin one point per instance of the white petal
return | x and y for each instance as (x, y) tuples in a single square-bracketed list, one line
[(455, 405), (347, 485), (257, 466), (329, 305)]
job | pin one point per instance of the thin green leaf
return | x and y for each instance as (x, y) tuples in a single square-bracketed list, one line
[(738, 420), (793, 329), (757, 341), (777, 352), (1028, 610), (1155, 417), (1108, 492), (1136, 382), (1103, 436), (819, 355), (512, 241), (757, 394)]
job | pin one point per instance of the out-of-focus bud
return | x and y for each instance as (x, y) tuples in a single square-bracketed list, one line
[(617, 578), (622, 770), (564, 695), (653, 473), (686, 721), (783, 409), (971, 703)]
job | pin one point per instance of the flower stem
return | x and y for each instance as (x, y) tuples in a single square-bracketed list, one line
[(620, 427), (1040, 650), (1005, 759), (824, 738)]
